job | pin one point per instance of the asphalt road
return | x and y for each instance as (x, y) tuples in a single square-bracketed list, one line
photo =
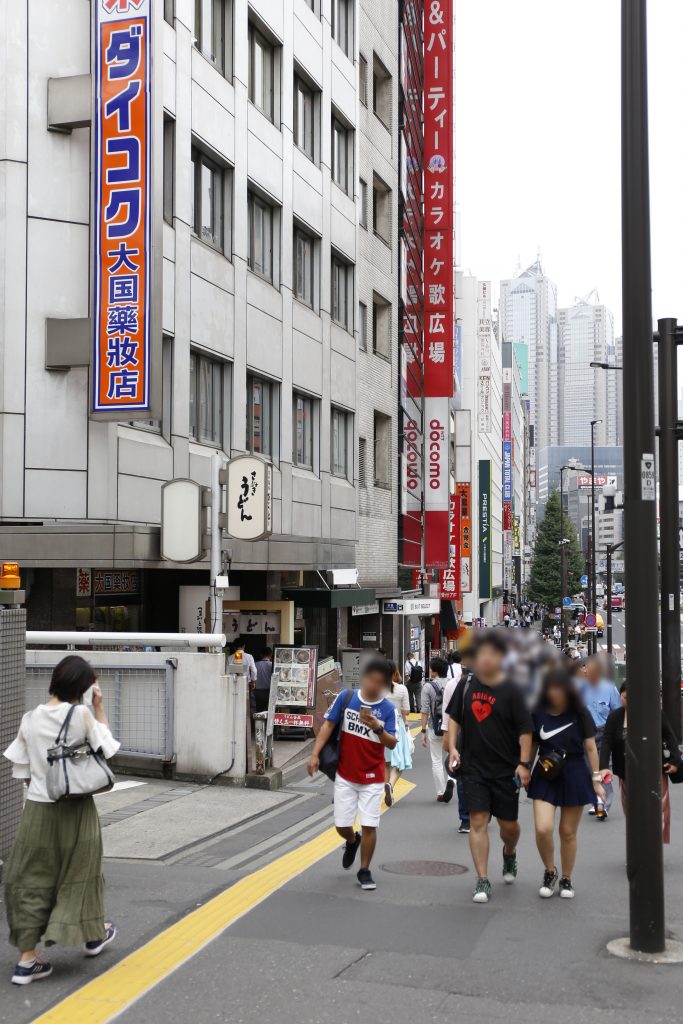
[(321, 950)]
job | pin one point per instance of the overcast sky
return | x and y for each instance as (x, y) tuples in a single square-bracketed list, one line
[(538, 144)]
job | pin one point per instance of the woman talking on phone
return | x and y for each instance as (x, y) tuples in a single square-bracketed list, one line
[(614, 746), (566, 775)]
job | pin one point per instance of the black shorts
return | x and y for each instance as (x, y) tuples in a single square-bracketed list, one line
[(499, 797)]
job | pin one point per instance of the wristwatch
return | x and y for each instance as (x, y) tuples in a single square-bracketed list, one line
[(525, 764), (423, 730), (378, 732)]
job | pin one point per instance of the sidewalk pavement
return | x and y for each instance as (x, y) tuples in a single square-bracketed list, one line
[(318, 949)]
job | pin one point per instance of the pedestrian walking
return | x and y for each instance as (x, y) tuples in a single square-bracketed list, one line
[(264, 674), (432, 732), (454, 681), (367, 723), (413, 675), (601, 697), (566, 775), (54, 886), (495, 759), (614, 746), (400, 759)]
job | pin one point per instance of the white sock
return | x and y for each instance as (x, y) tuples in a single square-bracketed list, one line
[(27, 963)]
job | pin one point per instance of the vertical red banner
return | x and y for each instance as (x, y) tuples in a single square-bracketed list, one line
[(450, 577), (438, 198)]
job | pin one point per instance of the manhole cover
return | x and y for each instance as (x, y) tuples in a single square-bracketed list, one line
[(435, 868)]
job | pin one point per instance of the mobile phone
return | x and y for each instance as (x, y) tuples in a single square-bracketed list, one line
[(607, 778), (365, 709)]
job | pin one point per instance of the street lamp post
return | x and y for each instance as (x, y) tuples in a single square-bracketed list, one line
[(572, 464), (644, 746), (594, 602)]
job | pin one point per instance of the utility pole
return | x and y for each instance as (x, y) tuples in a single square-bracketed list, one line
[(644, 744), (594, 601), (669, 555), (563, 562)]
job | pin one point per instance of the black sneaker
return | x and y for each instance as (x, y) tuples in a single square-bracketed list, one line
[(350, 851), (548, 885), (566, 888), (365, 879), (24, 974), (509, 868), (388, 794), (464, 828), (448, 791), (95, 948)]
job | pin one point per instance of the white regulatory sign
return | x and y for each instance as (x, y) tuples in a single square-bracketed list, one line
[(647, 477)]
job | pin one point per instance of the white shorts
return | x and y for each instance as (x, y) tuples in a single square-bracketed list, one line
[(352, 799)]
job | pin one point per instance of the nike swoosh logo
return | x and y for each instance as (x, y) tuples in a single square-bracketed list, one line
[(553, 732)]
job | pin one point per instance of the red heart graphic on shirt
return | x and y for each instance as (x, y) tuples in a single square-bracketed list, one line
[(481, 710)]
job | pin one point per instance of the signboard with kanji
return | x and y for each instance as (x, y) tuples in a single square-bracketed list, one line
[(124, 282), (250, 498)]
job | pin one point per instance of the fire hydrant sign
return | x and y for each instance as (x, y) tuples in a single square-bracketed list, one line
[(122, 201)]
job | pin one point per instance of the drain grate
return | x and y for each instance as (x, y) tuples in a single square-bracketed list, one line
[(432, 868)]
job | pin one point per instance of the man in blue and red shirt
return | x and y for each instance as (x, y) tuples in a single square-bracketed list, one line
[(368, 724)]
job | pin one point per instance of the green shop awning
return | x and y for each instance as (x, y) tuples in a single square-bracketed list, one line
[(319, 597)]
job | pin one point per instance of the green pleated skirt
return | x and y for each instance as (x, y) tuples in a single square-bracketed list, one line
[(54, 887)]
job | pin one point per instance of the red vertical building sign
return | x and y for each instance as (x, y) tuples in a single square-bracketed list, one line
[(438, 198), (438, 292)]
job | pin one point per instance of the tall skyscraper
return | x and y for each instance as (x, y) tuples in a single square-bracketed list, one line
[(528, 316), (586, 334)]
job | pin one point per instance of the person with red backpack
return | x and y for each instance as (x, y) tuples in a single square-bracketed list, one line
[(432, 730)]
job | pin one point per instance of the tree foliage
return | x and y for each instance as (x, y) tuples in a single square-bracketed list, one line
[(545, 584)]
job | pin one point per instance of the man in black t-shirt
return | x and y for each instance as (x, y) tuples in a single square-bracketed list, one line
[(490, 722)]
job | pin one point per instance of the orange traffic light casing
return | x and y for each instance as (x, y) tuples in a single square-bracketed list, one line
[(237, 657), (9, 576)]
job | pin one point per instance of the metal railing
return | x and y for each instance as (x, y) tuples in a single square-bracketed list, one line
[(138, 702)]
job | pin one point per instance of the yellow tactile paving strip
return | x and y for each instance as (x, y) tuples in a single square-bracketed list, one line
[(104, 998)]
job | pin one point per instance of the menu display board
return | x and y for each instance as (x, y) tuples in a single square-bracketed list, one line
[(294, 676)]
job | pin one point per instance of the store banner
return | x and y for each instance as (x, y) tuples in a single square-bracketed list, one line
[(464, 493), (449, 578), (507, 471), (485, 527), (484, 339), (122, 142), (438, 198), (437, 497)]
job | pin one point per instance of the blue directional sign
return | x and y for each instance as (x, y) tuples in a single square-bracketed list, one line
[(566, 601), (584, 581)]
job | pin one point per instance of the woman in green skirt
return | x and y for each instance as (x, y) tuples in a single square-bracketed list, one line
[(54, 886)]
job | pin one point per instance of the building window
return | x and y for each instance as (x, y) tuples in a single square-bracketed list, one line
[(381, 92), (381, 209), (342, 292), (303, 431), (382, 445), (169, 11), (260, 256), (208, 200), (342, 155), (304, 117), (261, 73), (381, 327), (362, 326), (162, 425), (363, 80), (206, 399), (169, 168), (363, 202), (342, 25), (341, 430), (304, 267), (213, 33), (260, 416)]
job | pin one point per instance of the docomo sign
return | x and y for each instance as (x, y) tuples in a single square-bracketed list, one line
[(412, 453), (437, 417), (122, 203)]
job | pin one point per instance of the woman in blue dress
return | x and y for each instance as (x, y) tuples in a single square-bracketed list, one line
[(400, 759), (566, 775)]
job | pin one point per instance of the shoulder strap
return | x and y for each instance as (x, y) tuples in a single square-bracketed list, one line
[(65, 725)]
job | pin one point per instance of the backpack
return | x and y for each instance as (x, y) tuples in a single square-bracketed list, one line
[(416, 674), (437, 712)]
